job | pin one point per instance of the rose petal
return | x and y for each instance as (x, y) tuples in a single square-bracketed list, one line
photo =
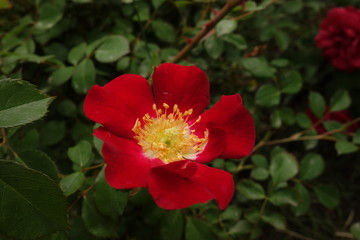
[(186, 86), (177, 185), (232, 117), (126, 165), (214, 147), (119, 103), (219, 182), (171, 189)]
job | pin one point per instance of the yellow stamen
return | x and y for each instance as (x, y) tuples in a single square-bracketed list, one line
[(168, 136)]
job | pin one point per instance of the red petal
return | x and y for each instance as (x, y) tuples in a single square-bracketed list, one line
[(186, 86), (171, 188), (232, 117), (184, 183), (214, 147), (126, 166), (119, 103), (219, 182)]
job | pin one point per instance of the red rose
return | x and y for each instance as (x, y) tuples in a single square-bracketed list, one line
[(339, 37), (160, 138), (340, 116)]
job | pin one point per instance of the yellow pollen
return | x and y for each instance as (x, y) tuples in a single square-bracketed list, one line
[(168, 136)]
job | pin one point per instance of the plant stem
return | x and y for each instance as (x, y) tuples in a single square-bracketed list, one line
[(230, 4)]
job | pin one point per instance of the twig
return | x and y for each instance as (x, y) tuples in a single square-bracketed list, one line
[(230, 4), (295, 234), (3, 136), (298, 136), (79, 196), (92, 167), (344, 235)]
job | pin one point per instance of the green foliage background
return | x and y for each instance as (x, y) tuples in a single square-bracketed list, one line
[(297, 184)]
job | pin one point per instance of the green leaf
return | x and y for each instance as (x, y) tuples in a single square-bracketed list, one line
[(20, 103), (172, 226), (112, 48), (197, 229), (251, 189), (164, 31), (328, 195), (96, 223), (123, 64), (77, 53), (72, 182), (291, 82), (355, 230), (52, 132), (259, 174), (50, 13), (241, 227), (276, 119), (276, 220), (340, 100), (61, 75), (280, 62), (312, 166), (287, 115), (109, 201), (283, 166), (303, 120), (81, 154), (236, 39), (293, 6), (32, 205), (231, 213), (282, 39), (267, 96), (283, 196), (157, 3), (303, 200), (67, 108), (84, 76), (317, 104), (5, 4), (41, 162), (225, 26), (344, 147), (260, 160), (258, 67), (214, 46)]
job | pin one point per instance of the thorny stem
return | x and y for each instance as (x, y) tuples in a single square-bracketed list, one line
[(5, 144), (230, 4), (3, 136), (295, 234), (79, 196), (298, 136), (261, 213), (93, 167)]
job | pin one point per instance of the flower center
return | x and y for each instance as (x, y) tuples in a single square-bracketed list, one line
[(168, 136)]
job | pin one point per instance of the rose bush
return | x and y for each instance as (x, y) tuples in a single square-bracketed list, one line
[(339, 37), (161, 139)]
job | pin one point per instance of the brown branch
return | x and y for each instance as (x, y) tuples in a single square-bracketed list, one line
[(3, 136), (93, 167), (344, 235), (230, 4), (295, 234), (298, 136)]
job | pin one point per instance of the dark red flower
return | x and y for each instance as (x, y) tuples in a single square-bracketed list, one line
[(340, 116), (339, 37), (159, 138)]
